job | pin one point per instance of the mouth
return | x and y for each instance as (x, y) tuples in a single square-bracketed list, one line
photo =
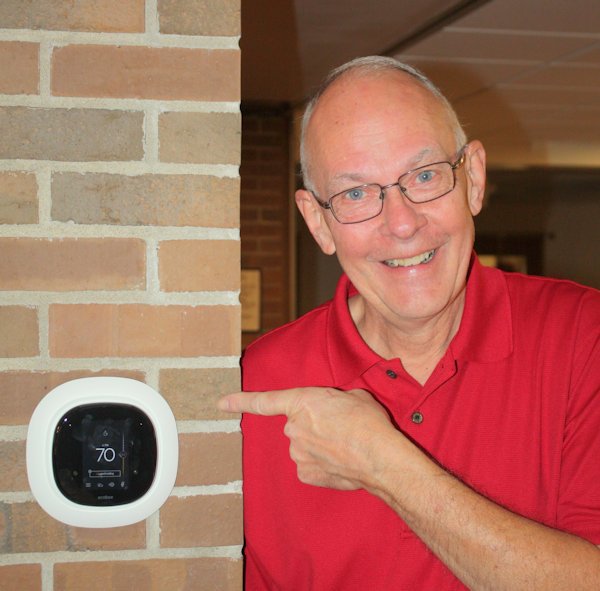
[(420, 259)]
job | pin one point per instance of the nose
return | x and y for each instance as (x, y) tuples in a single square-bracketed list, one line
[(400, 217)]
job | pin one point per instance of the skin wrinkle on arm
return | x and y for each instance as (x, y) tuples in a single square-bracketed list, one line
[(486, 546)]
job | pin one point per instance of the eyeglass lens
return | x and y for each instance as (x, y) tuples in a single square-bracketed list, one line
[(420, 185)]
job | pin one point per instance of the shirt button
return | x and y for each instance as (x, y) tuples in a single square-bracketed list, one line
[(391, 374), (417, 417)]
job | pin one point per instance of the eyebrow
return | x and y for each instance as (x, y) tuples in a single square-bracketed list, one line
[(356, 177)]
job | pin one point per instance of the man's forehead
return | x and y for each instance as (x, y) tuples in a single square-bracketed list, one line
[(371, 104)]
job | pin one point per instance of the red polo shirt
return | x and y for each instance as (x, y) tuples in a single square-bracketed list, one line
[(512, 409)]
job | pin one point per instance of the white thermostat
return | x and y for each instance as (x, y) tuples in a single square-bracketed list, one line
[(102, 452)]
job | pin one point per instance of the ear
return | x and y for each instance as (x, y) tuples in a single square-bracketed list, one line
[(475, 169), (313, 215)]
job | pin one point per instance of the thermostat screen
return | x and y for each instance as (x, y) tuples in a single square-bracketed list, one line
[(104, 454)]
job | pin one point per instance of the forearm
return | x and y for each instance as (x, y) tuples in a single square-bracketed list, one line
[(486, 546)]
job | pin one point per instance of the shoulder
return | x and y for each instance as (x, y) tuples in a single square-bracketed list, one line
[(275, 358), (558, 318), (540, 296)]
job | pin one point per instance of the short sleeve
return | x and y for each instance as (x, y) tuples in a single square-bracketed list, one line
[(579, 496)]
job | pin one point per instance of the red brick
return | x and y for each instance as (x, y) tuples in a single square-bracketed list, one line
[(19, 67), (190, 574), (21, 391), (128, 537), (72, 264), (12, 466), (125, 16), (19, 332), (217, 521), (33, 530), (21, 577), (18, 198), (132, 330), (193, 393), (199, 265), (208, 458), (146, 73)]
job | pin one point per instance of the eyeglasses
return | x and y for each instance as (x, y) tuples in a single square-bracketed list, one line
[(420, 185)]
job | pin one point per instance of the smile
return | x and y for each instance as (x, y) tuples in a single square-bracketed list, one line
[(420, 259)]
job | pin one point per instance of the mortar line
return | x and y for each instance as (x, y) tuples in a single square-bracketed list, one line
[(125, 104), (151, 145), (150, 39), (127, 168), (45, 65), (233, 551), (44, 181), (152, 23)]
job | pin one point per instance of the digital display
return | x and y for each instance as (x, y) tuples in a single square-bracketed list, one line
[(104, 454)]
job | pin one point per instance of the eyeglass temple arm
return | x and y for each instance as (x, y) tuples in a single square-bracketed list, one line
[(323, 204)]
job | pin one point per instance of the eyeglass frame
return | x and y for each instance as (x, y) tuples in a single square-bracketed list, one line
[(453, 166)]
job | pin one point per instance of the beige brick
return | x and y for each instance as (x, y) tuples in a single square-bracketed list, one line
[(19, 67), (209, 458), (154, 200), (193, 393), (199, 17), (72, 264), (146, 73), (133, 330), (18, 198), (12, 466), (21, 391), (211, 138), (199, 265), (79, 135), (217, 521), (69, 15), (19, 331), (189, 574), (21, 577), (33, 530)]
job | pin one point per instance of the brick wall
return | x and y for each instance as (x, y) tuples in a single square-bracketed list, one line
[(120, 255), (266, 198)]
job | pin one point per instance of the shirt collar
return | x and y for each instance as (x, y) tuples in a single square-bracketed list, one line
[(484, 335)]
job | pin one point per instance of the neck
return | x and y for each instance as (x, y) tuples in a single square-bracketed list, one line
[(418, 343)]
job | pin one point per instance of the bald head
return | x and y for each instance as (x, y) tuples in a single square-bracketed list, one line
[(365, 69)]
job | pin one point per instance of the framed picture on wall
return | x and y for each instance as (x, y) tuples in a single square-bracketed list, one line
[(250, 299)]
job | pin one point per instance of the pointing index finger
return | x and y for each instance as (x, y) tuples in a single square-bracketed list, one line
[(275, 402)]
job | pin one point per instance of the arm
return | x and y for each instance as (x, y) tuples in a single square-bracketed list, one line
[(345, 440)]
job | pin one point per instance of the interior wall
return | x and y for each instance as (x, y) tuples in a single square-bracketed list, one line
[(562, 206), (119, 215), (265, 210)]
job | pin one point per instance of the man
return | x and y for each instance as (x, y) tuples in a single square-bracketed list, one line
[(437, 425)]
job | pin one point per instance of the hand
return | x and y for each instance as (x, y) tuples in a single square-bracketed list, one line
[(334, 435)]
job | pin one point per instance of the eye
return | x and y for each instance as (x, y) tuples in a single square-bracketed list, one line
[(425, 176), (355, 194)]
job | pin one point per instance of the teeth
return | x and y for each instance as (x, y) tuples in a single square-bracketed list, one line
[(416, 260)]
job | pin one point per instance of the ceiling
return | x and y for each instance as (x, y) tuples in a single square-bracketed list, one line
[(524, 75)]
